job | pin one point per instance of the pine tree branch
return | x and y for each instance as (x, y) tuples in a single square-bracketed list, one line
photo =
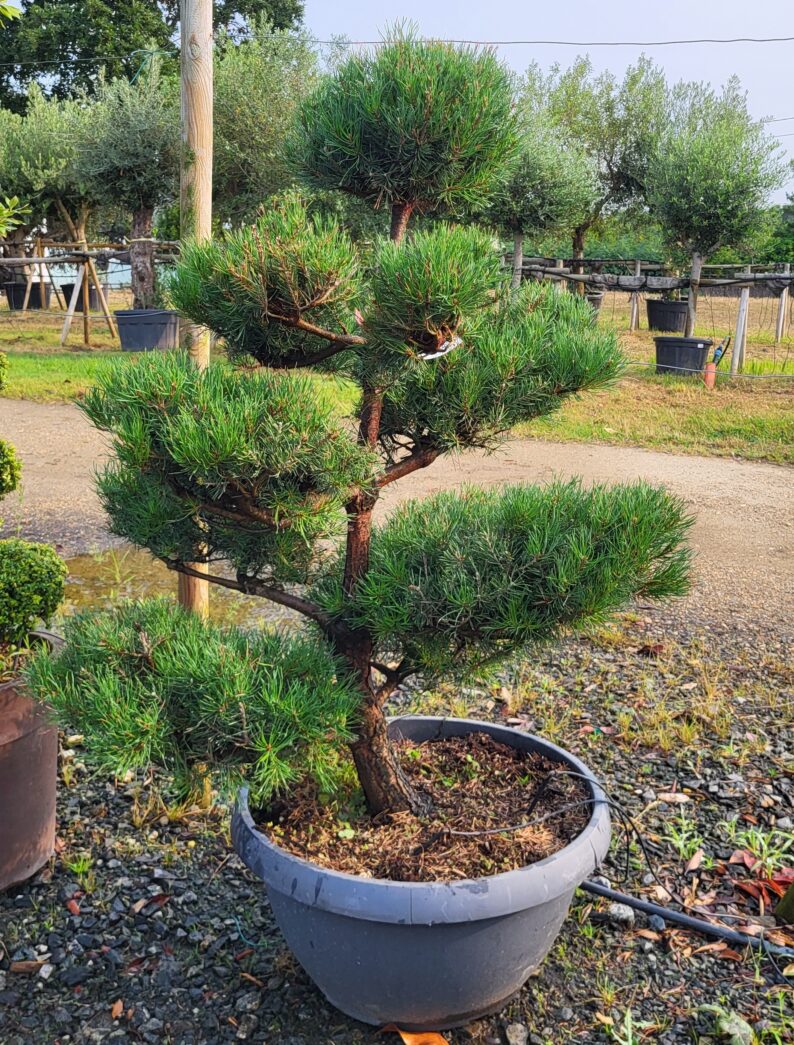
[(419, 459), (253, 586)]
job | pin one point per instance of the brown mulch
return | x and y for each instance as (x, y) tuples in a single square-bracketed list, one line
[(475, 784)]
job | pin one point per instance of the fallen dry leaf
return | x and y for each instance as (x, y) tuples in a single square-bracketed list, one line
[(789, 970), (694, 863), (673, 796), (73, 907), (117, 1009), (139, 905), (422, 1038), (25, 967), (605, 1021)]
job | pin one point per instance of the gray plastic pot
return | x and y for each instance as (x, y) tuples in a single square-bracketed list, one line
[(426, 956)]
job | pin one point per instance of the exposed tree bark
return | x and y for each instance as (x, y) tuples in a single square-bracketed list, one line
[(142, 258), (518, 260), (694, 287), (385, 785), (400, 215)]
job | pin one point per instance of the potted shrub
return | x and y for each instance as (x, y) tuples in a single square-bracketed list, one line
[(377, 868), (31, 588), (131, 154)]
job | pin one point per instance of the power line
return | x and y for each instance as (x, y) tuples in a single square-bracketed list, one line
[(584, 43)]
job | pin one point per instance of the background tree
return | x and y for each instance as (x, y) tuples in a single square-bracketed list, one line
[(710, 176), (255, 467), (259, 84), (240, 17), (616, 122), (130, 154), (552, 189), (67, 45)]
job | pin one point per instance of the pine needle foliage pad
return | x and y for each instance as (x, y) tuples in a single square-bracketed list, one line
[(246, 466)]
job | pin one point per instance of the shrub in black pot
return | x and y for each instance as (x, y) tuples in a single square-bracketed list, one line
[(254, 468), (15, 295)]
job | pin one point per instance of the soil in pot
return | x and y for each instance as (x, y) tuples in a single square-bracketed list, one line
[(476, 786)]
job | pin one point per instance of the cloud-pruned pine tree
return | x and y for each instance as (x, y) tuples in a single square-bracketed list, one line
[(254, 467)]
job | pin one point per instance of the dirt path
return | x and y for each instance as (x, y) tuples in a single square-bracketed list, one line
[(744, 533)]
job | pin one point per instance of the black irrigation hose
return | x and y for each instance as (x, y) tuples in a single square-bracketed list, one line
[(698, 925)]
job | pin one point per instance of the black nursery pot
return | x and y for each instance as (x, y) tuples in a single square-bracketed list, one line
[(425, 955), (144, 329), (667, 315), (595, 299), (15, 294), (681, 355), (94, 304)]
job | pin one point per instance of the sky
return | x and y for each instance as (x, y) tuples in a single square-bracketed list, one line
[(764, 69)]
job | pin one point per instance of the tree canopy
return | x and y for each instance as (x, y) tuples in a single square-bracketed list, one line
[(65, 45), (615, 121)]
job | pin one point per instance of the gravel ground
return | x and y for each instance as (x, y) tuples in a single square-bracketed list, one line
[(145, 928)]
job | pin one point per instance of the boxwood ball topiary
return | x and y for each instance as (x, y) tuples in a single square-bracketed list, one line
[(10, 468), (31, 587)]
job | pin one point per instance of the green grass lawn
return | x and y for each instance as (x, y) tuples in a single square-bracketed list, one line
[(53, 377)]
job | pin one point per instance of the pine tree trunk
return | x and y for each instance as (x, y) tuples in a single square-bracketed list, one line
[(385, 786), (518, 260), (694, 287), (142, 259)]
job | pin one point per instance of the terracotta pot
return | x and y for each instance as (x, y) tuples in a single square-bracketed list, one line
[(28, 772)]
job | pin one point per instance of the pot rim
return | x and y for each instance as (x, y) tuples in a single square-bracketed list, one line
[(427, 903)]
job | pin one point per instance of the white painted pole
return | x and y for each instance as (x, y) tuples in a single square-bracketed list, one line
[(634, 315)]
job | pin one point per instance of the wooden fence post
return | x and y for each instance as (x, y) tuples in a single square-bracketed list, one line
[(634, 314), (740, 336), (196, 199), (782, 307)]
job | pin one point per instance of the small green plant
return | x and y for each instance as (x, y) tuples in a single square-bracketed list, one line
[(629, 1032), (31, 587), (684, 837), (772, 849), (10, 467)]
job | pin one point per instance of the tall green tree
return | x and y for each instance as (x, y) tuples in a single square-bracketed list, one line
[(39, 160), (710, 176), (259, 83), (130, 156), (551, 190), (615, 121), (255, 468), (64, 45)]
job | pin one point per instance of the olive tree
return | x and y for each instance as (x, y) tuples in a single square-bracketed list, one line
[(130, 154), (253, 467), (710, 176), (552, 189), (615, 121), (259, 84)]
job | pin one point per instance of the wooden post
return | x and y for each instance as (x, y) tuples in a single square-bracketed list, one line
[(67, 323), (86, 300), (782, 307), (559, 285), (196, 198), (40, 254), (634, 315), (737, 356), (103, 304)]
